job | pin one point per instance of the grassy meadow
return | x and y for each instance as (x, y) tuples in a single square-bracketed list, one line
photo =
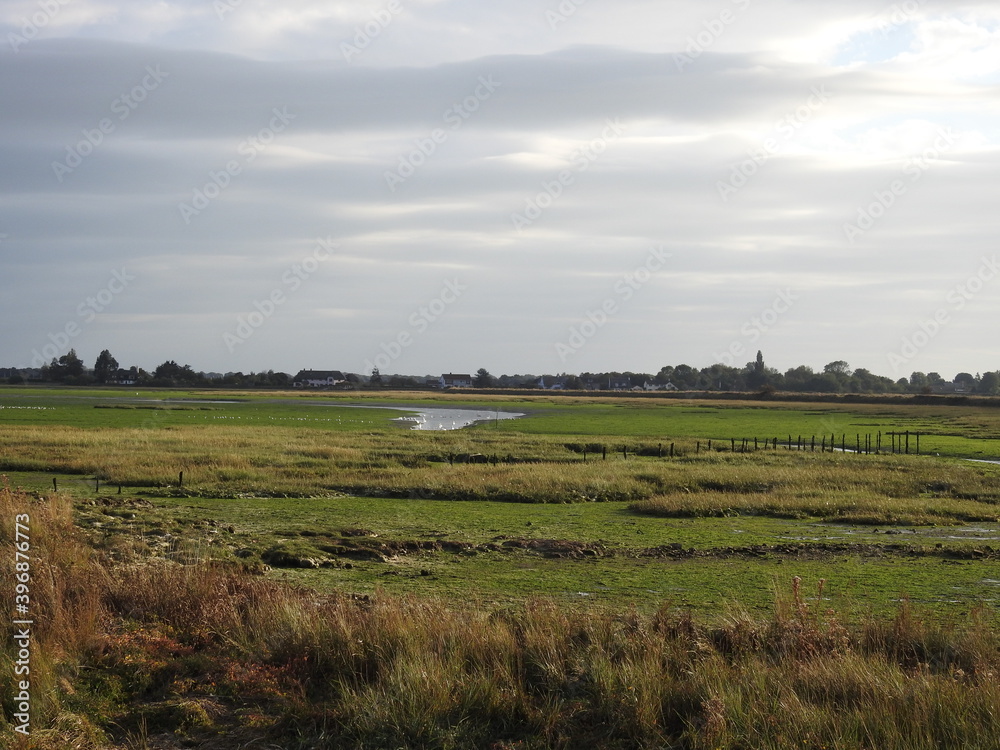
[(295, 568)]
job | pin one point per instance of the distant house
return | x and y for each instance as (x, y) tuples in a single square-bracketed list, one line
[(455, 381), (552, 384), (318, 378), (649, 385), (122, 376), (946, 388), (619, 384)]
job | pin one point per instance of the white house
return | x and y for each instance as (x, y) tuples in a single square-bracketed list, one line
[(318, 378), (455, 381), (649, 385)]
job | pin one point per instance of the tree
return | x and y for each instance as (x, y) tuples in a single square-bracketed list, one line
[(989, 384), (67, 366), (965, 380), (53, 371), (169, 370), (175, 373), (797, 377), (105, 367), (838, 367), (685, 377), (825, 382), (73, 364), (376, 378), (483, 379), (402, 381)]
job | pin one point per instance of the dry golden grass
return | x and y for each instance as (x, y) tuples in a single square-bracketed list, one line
[(238, 461)]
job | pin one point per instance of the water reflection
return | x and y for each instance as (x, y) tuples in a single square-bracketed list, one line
[(433, 418)]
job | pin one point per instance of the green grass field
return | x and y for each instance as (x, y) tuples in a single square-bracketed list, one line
[(272, 467), (966, 431)]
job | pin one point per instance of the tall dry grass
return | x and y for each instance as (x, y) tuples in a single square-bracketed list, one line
[(138, 650), (66, 604)]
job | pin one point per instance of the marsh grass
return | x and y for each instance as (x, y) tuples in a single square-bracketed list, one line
[(138, 648), (236, 461)]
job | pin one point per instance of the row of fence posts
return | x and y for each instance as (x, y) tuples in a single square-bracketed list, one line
[(863, 445), (661, 452), (900, 443), (97, 483)]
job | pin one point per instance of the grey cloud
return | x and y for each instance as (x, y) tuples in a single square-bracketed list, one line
[(60, 87)]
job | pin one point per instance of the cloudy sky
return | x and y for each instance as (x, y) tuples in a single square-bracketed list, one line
[(441, 185)]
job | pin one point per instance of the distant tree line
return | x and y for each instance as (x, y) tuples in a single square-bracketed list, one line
[(835, 377), (71, 370), (756, 376)]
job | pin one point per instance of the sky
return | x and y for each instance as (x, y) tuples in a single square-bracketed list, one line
[(430, 186)]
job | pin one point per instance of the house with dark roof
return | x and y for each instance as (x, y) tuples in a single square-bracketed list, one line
[(451, 380), (318, 378)]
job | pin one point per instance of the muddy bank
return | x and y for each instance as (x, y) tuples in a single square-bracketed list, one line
[(379, 550)]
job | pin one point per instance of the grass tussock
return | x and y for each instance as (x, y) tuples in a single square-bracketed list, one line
[(863, 508), (137, 650)]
